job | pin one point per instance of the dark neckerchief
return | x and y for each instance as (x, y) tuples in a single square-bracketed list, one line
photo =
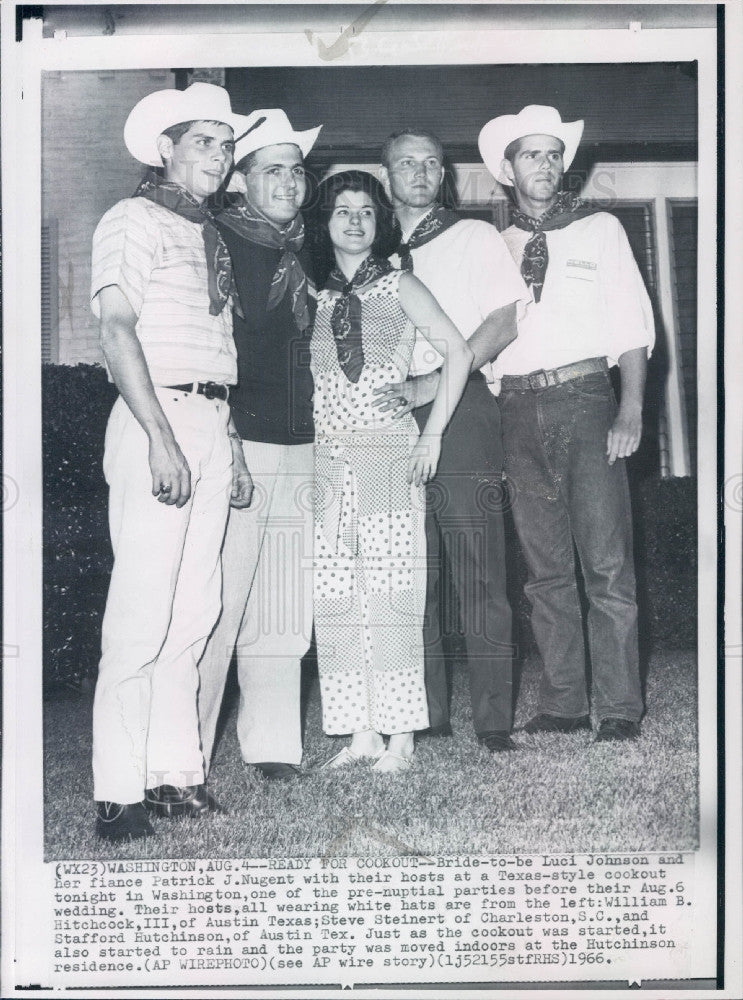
[(245, 220), (218, 262), (566, 208), (429, 227), (345, 320)]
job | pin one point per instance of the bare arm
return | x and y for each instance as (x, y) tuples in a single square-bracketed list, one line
[(126, 363), (494, 334), (624, 437), (428, 316)]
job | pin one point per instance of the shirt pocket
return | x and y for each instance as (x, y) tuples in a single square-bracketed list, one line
[(581, 269)]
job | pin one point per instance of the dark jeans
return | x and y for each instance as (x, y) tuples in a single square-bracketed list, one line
[(465, 514), (566, 492)]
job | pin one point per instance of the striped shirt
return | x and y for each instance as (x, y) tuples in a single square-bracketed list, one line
[(157, 259)]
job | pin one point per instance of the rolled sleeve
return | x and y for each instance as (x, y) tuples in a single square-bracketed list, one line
[(628, 312), (125, 246), (494, 277)]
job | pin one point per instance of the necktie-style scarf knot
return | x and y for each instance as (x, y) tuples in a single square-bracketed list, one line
[(218, 262), (430, 226), (245, 220), (345, 319), (566, 208)]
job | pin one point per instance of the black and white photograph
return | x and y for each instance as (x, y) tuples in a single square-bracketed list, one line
[(363, 495)]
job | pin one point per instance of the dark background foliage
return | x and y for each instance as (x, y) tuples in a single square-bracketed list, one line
[(77, 551)]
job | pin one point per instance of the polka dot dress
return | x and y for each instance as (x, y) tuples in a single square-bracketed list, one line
[(370, 548)]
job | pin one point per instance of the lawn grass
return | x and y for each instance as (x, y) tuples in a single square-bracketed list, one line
[(556, 794)]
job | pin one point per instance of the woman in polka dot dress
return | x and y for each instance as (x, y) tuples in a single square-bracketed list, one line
[(370, 550)]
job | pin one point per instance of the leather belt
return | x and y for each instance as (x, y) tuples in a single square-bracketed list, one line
[(472, 377), (211, 390), (555, 376)]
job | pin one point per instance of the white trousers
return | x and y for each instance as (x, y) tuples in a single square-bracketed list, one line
[(266, 607), (163, 600)]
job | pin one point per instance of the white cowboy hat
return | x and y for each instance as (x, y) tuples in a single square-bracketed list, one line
[(269, 127), (163, 108), (535, 119)]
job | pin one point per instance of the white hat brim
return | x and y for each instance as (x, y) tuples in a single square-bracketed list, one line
[(160, 110), (269, 136), (497, 135)]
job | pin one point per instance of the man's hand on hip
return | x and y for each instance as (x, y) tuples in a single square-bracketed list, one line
[(402, 397)]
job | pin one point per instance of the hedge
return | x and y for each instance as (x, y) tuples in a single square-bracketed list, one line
[(77, 552)]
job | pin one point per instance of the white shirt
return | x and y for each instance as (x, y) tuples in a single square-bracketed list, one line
[(593, 304), (157, 259), (470, 272)]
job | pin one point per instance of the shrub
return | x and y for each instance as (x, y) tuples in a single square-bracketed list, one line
[(77, 552), (665, 524)]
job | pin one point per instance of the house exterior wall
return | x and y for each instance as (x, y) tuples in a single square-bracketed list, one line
[(85, 169)]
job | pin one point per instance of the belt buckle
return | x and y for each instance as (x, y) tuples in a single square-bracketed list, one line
[(538, 380), (214, 390)]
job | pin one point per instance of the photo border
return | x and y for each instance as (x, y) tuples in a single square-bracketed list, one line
[(22, 68)]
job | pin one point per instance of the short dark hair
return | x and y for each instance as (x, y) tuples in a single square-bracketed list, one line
[(385, 238), (176, 132), (509, 153), (416, 133)]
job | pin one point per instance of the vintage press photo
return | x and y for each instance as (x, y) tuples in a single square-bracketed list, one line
[(564, 864)]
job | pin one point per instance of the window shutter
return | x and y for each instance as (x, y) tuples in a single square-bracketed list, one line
[(684, 257), (638, 223), (49, 293)]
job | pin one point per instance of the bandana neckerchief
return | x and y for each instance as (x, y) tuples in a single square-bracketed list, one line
[(218, 262), (345, 320), (244, 219), (429, 227), (566, 208)]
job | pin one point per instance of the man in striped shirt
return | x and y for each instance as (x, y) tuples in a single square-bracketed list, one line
[(161, 280)]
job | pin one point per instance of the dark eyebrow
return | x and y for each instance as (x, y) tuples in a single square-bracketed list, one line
[(210, 135)]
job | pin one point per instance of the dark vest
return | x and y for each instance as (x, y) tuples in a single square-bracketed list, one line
[(272, 402)]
